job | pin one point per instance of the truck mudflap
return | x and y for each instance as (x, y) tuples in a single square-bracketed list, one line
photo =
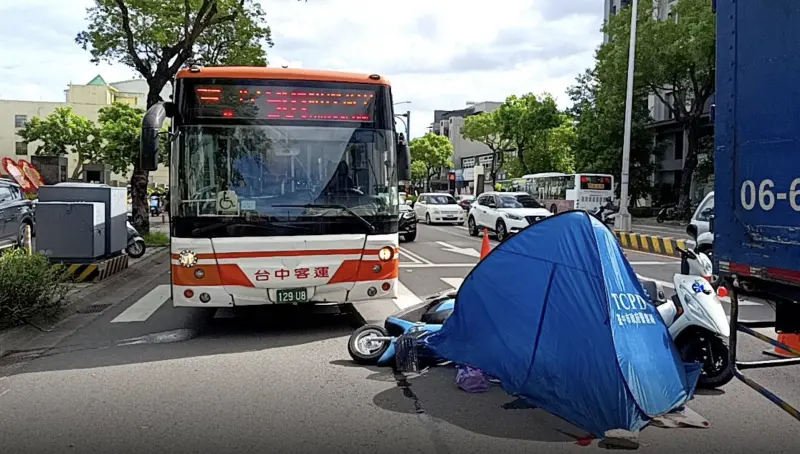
[(749, 327)]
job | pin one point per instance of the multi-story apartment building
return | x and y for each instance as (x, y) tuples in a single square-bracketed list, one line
[(668, 132), (466, 153), (85, 100)]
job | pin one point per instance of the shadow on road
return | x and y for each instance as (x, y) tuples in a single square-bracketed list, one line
[(252, 329), (435, 394)]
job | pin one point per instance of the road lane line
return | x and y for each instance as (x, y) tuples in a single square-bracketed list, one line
[(405, 253), (146, 306), (416, 256), (405, 297), (454, 282)]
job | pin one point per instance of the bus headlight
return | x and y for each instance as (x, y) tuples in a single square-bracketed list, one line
[(385, 254), (187, 259)]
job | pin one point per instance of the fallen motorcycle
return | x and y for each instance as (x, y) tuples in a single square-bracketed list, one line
[(379, 345)]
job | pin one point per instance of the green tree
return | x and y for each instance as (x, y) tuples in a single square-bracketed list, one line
[(486, 128), (527, 120), (434, 151), (239, 42), (599, 113), (419, 173), (674, 56), (121, 131), (156, 38), (551, 150), (63, 132)]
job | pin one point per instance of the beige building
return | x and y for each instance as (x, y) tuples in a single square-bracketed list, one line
[(85, 100)]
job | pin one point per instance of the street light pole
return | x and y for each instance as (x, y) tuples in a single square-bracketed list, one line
[(408, 125), (623, 219)]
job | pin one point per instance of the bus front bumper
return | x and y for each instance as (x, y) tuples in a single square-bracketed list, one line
[(233, 296)]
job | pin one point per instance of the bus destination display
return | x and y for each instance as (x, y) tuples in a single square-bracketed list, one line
[(284, 103)]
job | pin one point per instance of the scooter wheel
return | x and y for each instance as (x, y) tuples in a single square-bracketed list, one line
[(366, 351), (136, 249), (703, 349)]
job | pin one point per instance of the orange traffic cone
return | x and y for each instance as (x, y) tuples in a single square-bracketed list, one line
[(789, 340), (485, 247)]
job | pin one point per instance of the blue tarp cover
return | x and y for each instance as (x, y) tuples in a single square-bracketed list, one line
[(558, 315)]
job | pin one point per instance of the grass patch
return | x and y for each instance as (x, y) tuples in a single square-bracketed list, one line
[(156, 239)]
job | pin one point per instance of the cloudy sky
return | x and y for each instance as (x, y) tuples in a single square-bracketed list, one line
[(438, 54)]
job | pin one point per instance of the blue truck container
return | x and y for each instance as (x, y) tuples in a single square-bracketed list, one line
[(757, 140), (756, 222)]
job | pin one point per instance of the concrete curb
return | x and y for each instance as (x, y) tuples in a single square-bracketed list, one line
[(15, 338), (653, 244)]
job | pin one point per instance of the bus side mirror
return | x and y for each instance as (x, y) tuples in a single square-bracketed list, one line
[(403, 161), (151, 128)]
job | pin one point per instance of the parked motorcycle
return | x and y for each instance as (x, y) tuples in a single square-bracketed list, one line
[(136, 246), (607, 212), (695, 318)]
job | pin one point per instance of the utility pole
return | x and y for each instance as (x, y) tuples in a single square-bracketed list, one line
[(623, 220)]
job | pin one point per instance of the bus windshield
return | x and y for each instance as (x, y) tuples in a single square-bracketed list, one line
[(232, 170)]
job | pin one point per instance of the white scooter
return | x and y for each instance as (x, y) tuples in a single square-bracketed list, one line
[(695, 318)]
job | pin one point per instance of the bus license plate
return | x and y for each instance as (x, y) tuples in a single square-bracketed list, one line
[(595, 186), (291, 295)]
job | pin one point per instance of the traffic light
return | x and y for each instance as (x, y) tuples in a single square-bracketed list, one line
[(451, 180)]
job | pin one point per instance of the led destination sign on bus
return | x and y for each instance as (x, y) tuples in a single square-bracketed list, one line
[(285, 103)]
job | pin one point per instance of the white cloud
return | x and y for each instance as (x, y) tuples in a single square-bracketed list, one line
[(438, 54)]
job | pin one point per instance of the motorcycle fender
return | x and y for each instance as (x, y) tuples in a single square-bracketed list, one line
[(701, 309), (388, 356), (135, 239)]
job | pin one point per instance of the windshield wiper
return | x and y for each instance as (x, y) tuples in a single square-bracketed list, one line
[(331, 206)]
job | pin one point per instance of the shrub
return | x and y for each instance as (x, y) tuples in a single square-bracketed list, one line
[(30, 287), (156, 239)]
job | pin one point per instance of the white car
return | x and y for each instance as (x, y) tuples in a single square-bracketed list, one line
[(504, 213), (436, 207)]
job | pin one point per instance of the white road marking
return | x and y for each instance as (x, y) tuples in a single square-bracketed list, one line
[(405, 297), (468, 251), (417, 257), (405, 253), (454, 282), (145, 307)]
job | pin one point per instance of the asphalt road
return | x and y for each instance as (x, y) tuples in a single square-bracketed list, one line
[(163, 379)]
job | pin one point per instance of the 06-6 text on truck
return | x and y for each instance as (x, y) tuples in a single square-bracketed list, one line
[(283, 186)]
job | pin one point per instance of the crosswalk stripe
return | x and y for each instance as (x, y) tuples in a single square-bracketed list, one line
[(146, 306), (405, 297), (454, 282)]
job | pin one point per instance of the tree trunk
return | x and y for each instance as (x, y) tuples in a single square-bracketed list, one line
[(692, 131), (139, 207), (78, 168)]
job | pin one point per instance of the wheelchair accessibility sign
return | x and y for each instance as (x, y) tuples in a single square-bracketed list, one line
[(227, 202)]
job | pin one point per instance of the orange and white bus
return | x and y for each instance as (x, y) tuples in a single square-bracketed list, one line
[(562, 192), (283, 186)]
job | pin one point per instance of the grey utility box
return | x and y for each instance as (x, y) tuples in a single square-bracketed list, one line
[(116, 208), (71, 231)]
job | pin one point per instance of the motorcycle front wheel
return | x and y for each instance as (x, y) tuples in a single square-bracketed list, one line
[(363, 349), (713, 352), (136, 249)]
